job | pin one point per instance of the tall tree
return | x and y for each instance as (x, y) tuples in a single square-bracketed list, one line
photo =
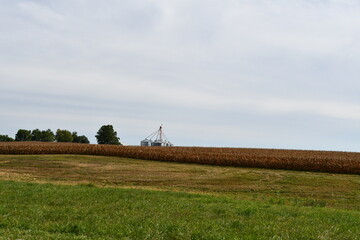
[(47, 136), (6, 138), (107, 135), (36, 135), (80, 139), (63, 136), (23, 135)]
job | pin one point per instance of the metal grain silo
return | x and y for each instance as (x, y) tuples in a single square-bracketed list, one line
[(160, 139)]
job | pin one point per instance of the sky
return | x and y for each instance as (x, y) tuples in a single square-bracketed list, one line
[(230, 73)]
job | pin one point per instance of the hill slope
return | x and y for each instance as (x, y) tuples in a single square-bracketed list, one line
[(322, 161), (282, 187)]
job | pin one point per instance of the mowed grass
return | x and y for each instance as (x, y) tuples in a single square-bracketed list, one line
[(47, 211), (291, 188)]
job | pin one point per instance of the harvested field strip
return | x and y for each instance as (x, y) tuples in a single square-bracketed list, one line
[(294, 188), (322, 161)]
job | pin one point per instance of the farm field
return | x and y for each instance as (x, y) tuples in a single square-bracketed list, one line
[(271, 186), (319, 161), (64, 196), (35, 211)]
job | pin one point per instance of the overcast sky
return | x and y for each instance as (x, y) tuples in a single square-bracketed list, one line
[(229, 73)]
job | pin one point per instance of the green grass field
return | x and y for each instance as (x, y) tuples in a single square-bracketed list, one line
[(87, 197), (46, 211)]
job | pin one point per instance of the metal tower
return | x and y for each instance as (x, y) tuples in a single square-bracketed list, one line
[(157, 138)]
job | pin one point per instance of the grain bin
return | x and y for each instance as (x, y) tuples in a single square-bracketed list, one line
[(159, 137)]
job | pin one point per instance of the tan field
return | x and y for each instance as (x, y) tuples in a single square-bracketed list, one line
[(320, 161)]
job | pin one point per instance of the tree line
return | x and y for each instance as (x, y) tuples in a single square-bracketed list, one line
[(105, 135)]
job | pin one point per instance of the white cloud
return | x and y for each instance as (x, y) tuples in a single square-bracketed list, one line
[(40, 12), (258, 59)]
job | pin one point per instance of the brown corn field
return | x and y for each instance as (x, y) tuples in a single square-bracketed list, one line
[(320, 161)]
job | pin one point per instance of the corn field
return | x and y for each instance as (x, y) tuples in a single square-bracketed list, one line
[(321, 161)]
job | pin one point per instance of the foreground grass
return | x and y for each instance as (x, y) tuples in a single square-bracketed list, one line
[(280, 187), (46, 211)]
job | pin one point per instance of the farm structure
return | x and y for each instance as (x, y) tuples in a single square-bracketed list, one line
[(156, 138)]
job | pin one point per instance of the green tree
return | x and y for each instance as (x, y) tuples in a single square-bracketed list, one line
[(80, 139), (43, 136), (47, 136), (75, 136), (6, 138), (23, 135), (63, 136), (36, 135), (107, 135)]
